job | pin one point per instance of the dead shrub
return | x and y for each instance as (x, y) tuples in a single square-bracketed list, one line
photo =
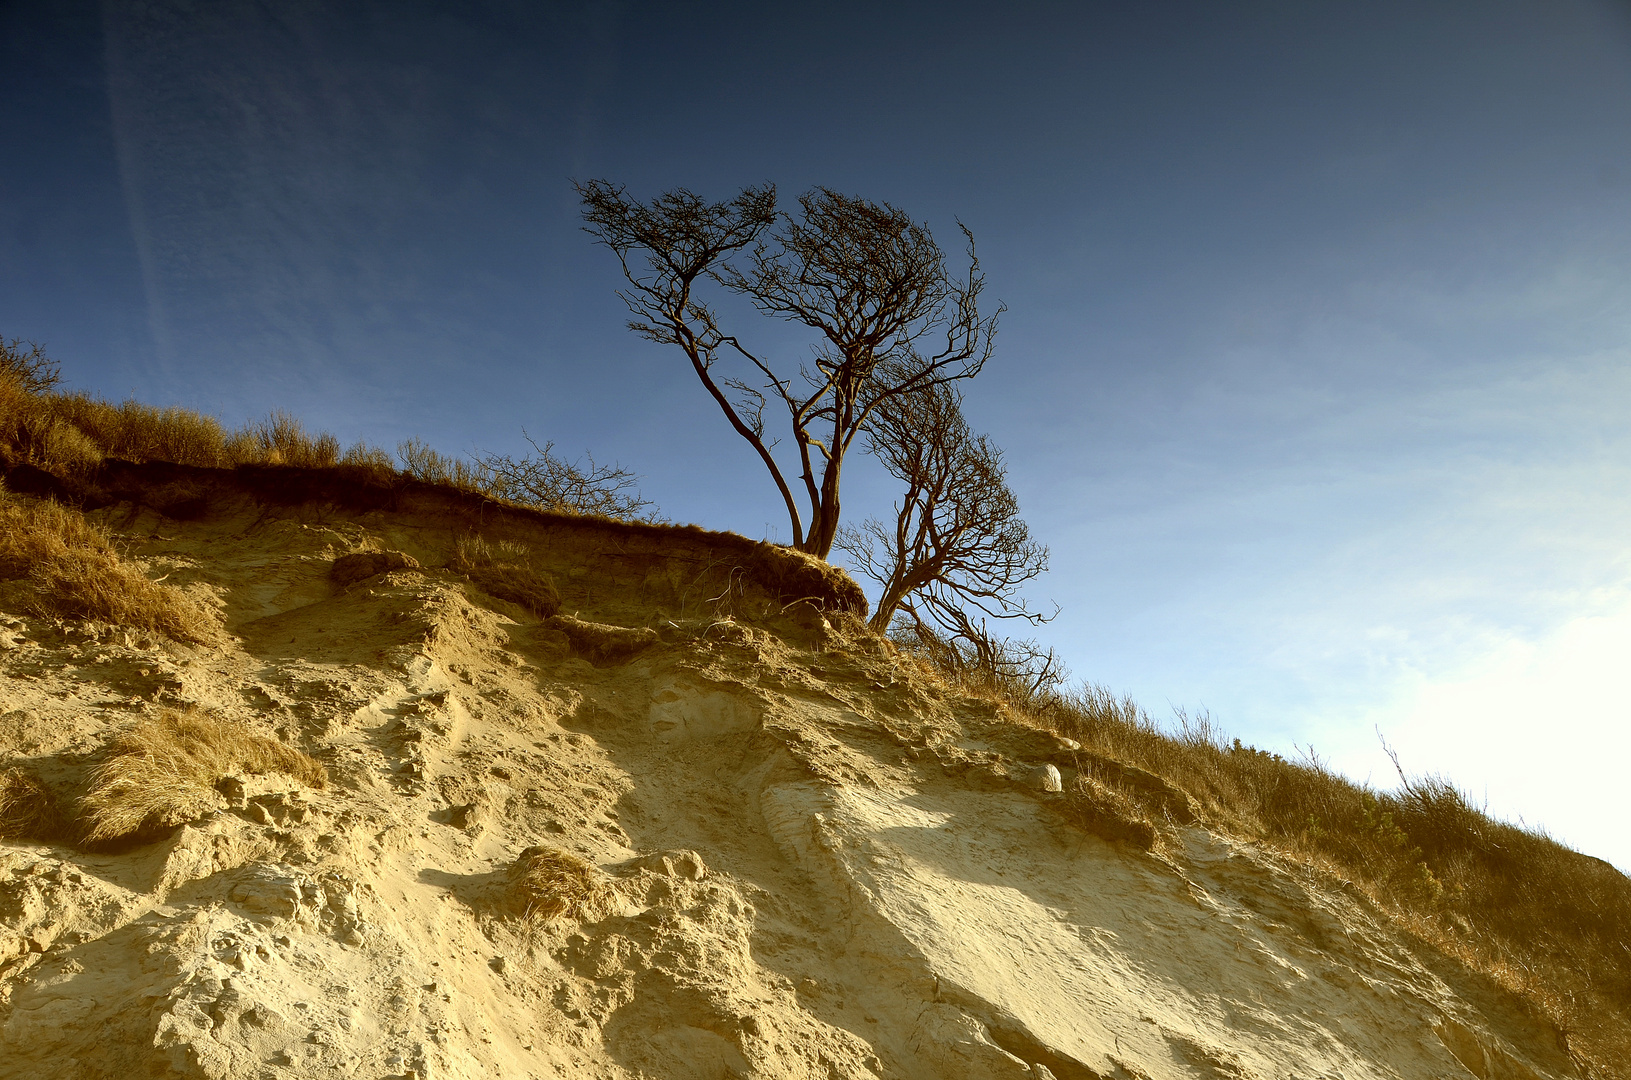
[(28, 811), (503, 571), (75, 573), (163, 772), (548, 883), (422, 462), (25, 363)]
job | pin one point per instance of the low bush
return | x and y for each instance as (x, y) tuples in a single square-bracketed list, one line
[(163, 772), (72, 571)]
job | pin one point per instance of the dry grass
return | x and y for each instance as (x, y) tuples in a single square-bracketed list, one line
[(163, 772), (1108, 813), (69, 434), (27, 809), (503, 571), (548, 883), (1546, 922), (74, 572), (601, 643)]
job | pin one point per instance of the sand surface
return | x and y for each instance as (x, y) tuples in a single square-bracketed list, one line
[(814, 864)]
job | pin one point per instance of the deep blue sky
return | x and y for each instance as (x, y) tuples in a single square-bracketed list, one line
[(1314, 374)]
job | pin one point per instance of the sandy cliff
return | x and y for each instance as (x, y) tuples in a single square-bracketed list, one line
[(810, 859)]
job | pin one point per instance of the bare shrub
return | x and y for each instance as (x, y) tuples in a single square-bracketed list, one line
[(423, 462), (370, 463), (25, 363), (549, 482), (163, 772), (548, 883), (75, 573), (27, 809), (1011, 668), (956, 549)]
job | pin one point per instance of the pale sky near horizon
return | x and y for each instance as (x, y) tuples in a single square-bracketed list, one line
[(1315, 373)]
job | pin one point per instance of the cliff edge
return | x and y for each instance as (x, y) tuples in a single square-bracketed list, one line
[(599, 800)]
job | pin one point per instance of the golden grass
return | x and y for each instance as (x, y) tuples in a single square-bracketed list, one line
[(163, 772), (69, 434), (27, 809), (503, 571), (1107, 813), (1545, 922), (74, 572), (548, 883)]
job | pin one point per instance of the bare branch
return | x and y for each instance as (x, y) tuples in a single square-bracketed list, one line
[(890, 319)]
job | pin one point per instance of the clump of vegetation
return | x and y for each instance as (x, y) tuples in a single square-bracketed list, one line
[(163, 772), (27, 809), (25, 363), (1545, 922), (73, 571), (70, 435), (600, 643), (503, 571), (548, 883), (1107, 813), (543, 480)]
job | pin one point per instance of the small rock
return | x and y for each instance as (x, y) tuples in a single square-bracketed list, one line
[(233, 788), (1042, 778)]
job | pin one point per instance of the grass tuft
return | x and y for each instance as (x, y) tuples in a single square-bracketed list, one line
[(74, 572), (163, 772), (548, 883), (503, 571), (1108, 814), (27, 809)]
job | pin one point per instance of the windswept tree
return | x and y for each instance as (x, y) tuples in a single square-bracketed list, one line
[(890, 319), (956, 553)]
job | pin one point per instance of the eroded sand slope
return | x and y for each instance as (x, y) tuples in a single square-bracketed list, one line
[(817, 865)]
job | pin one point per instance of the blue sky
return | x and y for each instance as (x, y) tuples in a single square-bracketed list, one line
[(1314, 375)]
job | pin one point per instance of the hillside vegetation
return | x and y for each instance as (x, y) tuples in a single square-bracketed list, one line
[(1497, 902)]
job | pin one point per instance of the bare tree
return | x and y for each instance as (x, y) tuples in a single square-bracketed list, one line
[(957, 552), (891, 320)]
